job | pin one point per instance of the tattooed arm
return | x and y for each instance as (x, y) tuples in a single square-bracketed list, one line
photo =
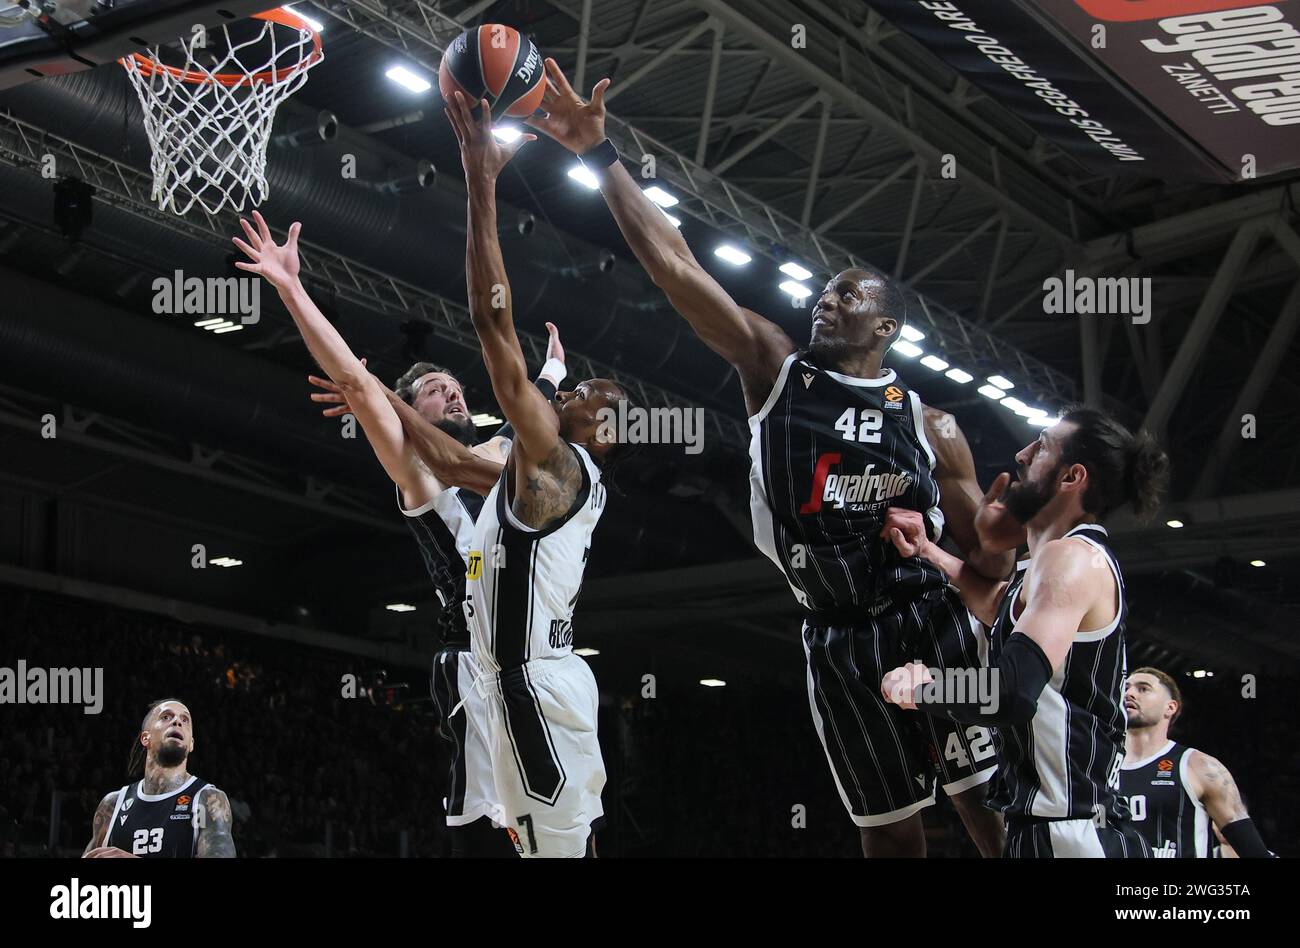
[(1212, 784), (99, 828), (543, 470), (215, 840)]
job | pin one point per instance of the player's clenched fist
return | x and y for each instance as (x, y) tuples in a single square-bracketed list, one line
[(906, 530), (900, 685)]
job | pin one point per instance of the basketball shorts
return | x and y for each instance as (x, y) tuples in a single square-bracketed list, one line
[(1072, 839), (546, 761), (470, 790), (887, 761)]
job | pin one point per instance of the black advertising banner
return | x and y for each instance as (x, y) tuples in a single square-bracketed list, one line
[(1225, 72), (1031, 67)]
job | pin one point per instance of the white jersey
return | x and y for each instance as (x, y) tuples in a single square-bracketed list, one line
[(522, 584)]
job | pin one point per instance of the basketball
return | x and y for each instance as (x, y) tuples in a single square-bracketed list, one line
[(496, 63)]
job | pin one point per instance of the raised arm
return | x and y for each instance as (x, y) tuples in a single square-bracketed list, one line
[(533, 419), (964, 505), (754, 345), (278, 264)]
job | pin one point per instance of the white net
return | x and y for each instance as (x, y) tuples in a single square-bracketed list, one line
[(209, 120)]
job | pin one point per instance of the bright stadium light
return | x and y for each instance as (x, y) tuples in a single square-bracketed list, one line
[(586, 652), (1257, 563), (911, 335), (904, 348), (584, 176), (400, 607), (712, 682), (314, 23), (408, 80), (1174, 524), (733, 255), (506, 133), (1015, 404), (483, 419), (675, 221), (959, 375), (226, 561), (660, 196), (234, 327), (1001, 382), (991, 391), (796, 290), (793, 269), (1043, 421), (934, 362), (214, 321)]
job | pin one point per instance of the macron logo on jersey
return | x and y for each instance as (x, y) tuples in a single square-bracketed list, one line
[(842, 489)]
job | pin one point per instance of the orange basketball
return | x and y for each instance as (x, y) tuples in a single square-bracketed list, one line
[(496, 63)]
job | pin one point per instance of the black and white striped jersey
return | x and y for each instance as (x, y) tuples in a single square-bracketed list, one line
[(1162, 808), (161, 825), (829, 454), (522, 584), (443, 528), (1064, 763)]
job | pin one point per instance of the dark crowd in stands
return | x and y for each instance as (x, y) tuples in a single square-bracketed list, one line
[(735, 771)]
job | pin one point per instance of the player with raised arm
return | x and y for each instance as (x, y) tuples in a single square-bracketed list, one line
[(836, 438)]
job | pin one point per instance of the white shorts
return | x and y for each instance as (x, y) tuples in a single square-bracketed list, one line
[(541, 726), (471, 793)]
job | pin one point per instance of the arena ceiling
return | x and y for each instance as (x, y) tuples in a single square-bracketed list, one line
[(825, 154)]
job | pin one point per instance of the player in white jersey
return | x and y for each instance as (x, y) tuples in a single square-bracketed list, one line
[(531, 544), (438, 507)]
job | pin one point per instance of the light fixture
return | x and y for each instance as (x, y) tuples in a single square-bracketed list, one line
[(712, 682), (483, 419), (911, 335), (400, 607), (586, 652), (214, 321), (1015, 404), (584, 176), (991, 391), (793, 269), (506, 133), (733, 255), (959, 375), (934, 362), (660, 196), (226, 561), (675, 221), (1258, 563), (1175, 524), (234, 327), (314, 23), (1000, 382), (408, 80), (1200, 673), (905, 348), (1043, 421), (796, 290)]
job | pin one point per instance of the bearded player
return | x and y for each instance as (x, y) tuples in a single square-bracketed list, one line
[(169, 812)]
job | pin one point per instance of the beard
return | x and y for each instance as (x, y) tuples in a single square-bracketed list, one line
[(1026, 498), (1138, 719), (462, 429), (172, 754)]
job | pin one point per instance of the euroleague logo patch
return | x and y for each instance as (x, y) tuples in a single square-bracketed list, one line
[(1132, 10), (1165, 766), (894, 398)]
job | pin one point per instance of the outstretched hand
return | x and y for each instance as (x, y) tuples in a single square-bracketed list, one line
[(333, 395), (998, 531), (278, 264), (482, 153), (576, 124), (554, 348)]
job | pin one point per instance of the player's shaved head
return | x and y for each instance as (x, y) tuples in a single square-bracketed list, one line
[(858, 310)]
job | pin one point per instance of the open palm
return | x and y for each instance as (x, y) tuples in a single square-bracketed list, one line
[(278, 264), (575, 124)]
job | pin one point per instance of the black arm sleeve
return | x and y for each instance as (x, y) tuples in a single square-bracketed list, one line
[(1245, 839), (547, 388), (1022, 673)]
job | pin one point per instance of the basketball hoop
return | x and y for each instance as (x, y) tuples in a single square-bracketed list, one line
[(209, 126)]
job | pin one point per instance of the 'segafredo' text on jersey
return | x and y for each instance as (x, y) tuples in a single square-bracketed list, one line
[(829, 454), (1064, 763), (521, 584)]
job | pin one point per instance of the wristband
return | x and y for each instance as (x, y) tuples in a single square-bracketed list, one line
[(553, 371), (601, 156)]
